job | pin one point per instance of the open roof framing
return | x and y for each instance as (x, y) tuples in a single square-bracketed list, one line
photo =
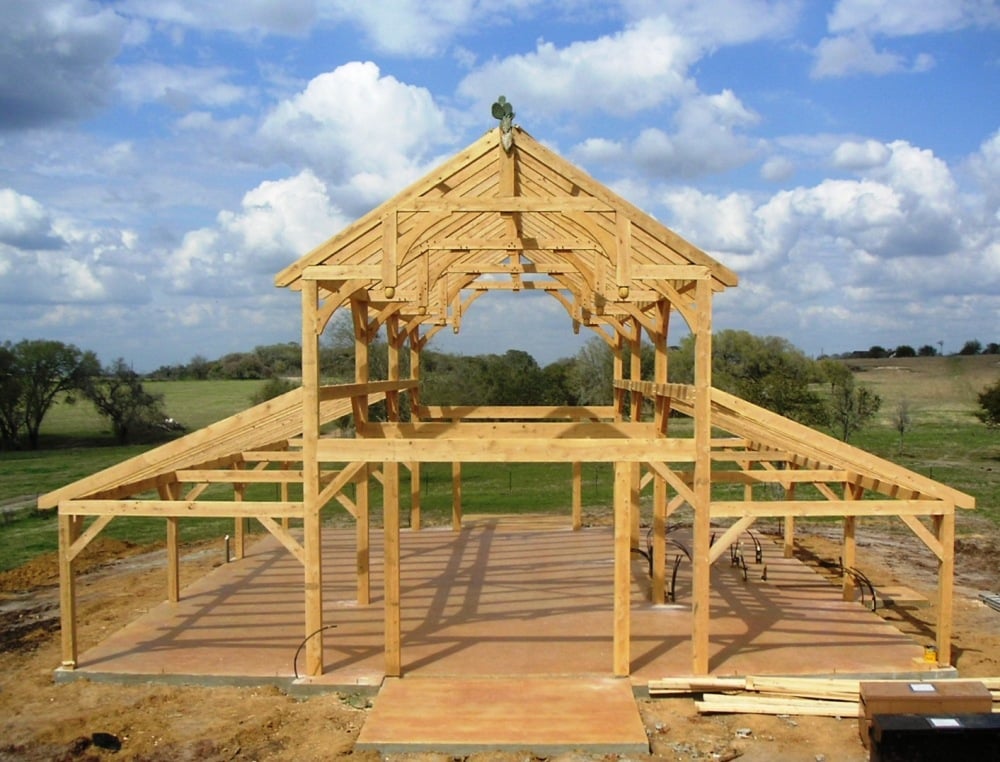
[(507, 214)]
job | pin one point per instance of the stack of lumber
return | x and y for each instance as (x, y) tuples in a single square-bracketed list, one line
[(816, 696), (991, 599)]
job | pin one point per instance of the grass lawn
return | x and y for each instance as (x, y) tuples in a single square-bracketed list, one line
[(945, 442)]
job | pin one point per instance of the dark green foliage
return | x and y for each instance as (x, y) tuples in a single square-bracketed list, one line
[(971, 347), (927, 351), (851, 406), (767, 371), (33, 373), (905, 350), (134, 413), (989, 403), (274, 387)]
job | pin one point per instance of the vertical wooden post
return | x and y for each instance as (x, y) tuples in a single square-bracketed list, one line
[(623, 573), (635, 403), (702, 476), (240, 528), (456, 496), (660, 493), (789, 525), (850, 547), (414, 403), (173, 560), (67, 591), (312, 532), (390, 518), (362, 499), (577, 495), (169, 492), (944, 529)]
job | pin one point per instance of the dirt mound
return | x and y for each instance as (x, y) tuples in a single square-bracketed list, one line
[(43, 570)]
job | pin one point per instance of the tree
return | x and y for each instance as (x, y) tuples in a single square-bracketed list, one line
[(927, 351), (767, 371), (12, 416), (118, 395), (902, 420), (971, 347), (851, 406), (993, 348), (591, 379), (905, 350), (989, 401), (45, 370)]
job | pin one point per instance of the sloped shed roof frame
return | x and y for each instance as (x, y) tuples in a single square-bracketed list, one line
[(496, 218)]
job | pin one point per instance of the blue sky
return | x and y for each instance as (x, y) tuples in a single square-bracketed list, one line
[(161, 160)]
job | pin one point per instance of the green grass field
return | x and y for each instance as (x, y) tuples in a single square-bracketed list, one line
[(945, 442)]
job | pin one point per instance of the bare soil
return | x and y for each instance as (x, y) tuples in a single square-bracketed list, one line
[(40, 720)]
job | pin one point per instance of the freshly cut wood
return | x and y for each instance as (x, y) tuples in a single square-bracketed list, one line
[(722, 704), (837, 689), (685, 685)]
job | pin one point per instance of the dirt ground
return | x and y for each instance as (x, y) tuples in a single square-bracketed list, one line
[(40, 720)]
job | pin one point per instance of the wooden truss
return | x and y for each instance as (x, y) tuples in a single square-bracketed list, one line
[(517, 218)]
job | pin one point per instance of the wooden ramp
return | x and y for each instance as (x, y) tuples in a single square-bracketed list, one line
[(540, 715)]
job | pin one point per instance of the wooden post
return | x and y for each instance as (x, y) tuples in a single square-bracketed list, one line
[(169, 492), (577, 495), (623, 573), (240, 524), (312, 531), (456, 496), (67, 592), (789, 525), (661, 414), (390, 518), (415, 345), (850, 548), (702, 477), (362, 498), (944, 529)]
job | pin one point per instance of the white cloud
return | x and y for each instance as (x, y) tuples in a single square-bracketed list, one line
[(279, 221), (24, 223), (706, 140), (722, 22), (639, 68), (856, 155), (180, 87), (853, 54), (245, 17), (896, 19), (354, 127), (56, 57), (777, 169)]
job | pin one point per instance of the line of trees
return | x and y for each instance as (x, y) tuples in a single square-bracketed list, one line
[(768, 371), (876, 352), (34, 374)]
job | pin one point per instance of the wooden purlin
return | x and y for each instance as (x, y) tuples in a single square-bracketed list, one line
[(271, 421)]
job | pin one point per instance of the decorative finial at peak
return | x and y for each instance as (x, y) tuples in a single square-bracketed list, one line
[(503, 111)]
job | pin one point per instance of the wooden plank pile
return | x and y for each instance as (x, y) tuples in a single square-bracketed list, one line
[(814, 696), (991, 599)]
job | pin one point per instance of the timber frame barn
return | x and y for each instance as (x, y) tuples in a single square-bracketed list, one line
[(507, 214)]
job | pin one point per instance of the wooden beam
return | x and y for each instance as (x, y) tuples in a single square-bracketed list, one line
[(925, 535), (181, 508), (67, 592), (341, 272), (621, 658), (556, 430), (729, 537), (450, 450), (517, 412), (81, 542), (738, 508), (282, 535), (506, 204), (310, 507), (237, 476)]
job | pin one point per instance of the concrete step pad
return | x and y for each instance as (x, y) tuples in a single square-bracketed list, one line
[(542, 715)]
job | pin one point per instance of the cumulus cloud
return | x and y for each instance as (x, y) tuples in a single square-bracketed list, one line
[(359, 129), (24, 223), (278, 222), (245, 17), (722, 22), (47, 259), (638, 68), (179, 87), (57, 60), (854, 54), (706, 139), (896, 19)]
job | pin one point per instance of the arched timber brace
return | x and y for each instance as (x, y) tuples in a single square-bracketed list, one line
[(502, 217)]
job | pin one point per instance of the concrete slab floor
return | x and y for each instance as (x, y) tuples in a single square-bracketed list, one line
[(503, 597)]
